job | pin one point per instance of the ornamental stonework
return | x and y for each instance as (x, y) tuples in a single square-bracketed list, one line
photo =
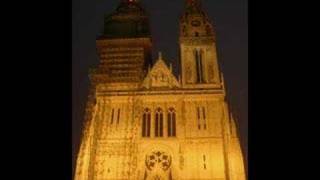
[(143, 121)]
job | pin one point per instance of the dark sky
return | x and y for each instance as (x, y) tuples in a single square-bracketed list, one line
[(231, 25)]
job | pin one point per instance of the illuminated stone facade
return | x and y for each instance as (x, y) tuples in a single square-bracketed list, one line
[(143, 123)]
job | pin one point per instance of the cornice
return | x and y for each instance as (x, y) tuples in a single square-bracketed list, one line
[(143, 92)]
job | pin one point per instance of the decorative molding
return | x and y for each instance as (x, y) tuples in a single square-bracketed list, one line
[(160, 76), (196, 41)]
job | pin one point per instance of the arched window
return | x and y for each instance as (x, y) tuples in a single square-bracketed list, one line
[(171, 123), (199, 66), (201, 117), (146, 122), (159, 123)]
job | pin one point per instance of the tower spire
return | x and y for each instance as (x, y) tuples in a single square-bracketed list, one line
[(193, 2), (129, 1), (193, 7), (160, 55)]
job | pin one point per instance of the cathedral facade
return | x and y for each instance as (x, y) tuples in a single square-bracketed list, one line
[(144, 123)]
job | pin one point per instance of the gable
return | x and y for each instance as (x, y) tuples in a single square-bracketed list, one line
[(160, 76)]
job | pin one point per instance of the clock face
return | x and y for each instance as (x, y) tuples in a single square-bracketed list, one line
[(195, 23)]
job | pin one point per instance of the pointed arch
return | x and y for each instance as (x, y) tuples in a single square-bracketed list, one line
[(196, 57), (198, 53), (202, 66), (159, 123), (171, 122), (146, 122)]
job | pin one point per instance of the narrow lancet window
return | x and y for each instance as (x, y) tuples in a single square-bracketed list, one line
[(201, 67), (198, 117), (198, 67), (112, 115), (118, 119), (171, 123), (159, 123), (174, 124), (144, 122), (148, 123), (146, 118)]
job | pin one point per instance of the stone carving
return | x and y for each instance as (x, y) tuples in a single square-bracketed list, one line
[(159, 79), (158, 160), (117, 151), (197, 40), (160, 76)]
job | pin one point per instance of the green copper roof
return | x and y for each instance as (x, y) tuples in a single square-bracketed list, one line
[(128, 21)]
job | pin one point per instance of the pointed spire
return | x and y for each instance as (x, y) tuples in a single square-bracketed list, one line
[(160, 55), (193, 2), (193, 6)]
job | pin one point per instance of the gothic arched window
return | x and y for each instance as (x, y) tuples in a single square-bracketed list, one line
[(201, 117), (159, 123), (199, 66), (171, 123), (146, 122)]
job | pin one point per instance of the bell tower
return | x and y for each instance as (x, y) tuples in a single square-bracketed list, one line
[(199, 66), (124, 48), (141, 123)]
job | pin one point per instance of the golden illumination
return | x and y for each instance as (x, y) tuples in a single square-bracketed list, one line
[(143, 123)]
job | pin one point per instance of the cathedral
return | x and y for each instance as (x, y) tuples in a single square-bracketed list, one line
[(142, 122)]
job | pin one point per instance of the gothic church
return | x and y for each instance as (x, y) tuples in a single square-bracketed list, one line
[(144, 123)]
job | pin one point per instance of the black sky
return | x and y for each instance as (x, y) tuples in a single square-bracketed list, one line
[(231, 25)]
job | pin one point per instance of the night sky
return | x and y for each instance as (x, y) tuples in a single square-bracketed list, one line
[(231, 25)]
